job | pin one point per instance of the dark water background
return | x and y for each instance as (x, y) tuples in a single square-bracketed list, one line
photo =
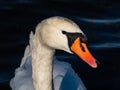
[(100, 21)]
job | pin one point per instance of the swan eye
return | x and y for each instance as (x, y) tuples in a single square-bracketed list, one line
[(64, 32)]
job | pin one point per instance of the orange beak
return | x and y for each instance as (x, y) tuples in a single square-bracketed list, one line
[(85, 55)]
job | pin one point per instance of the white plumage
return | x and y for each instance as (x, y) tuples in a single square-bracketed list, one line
[(64, 77)]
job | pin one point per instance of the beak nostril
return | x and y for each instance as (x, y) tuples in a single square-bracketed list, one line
[(83, 49)]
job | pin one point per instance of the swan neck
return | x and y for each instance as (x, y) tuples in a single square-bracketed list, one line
[(42, 60)]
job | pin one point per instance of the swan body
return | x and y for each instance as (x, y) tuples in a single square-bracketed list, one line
[(38, 71)]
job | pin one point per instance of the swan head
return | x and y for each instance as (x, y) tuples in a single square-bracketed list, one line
[(63, 34)]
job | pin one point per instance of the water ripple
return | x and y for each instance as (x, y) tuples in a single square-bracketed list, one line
[(105, 45), (100, 21)]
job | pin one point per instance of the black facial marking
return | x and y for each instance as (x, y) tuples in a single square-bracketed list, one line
[(72, 36)]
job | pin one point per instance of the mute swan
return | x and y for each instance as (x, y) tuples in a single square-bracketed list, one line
[(35, 71)]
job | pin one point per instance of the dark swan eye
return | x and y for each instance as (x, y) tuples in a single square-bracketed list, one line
[(64, 32)]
